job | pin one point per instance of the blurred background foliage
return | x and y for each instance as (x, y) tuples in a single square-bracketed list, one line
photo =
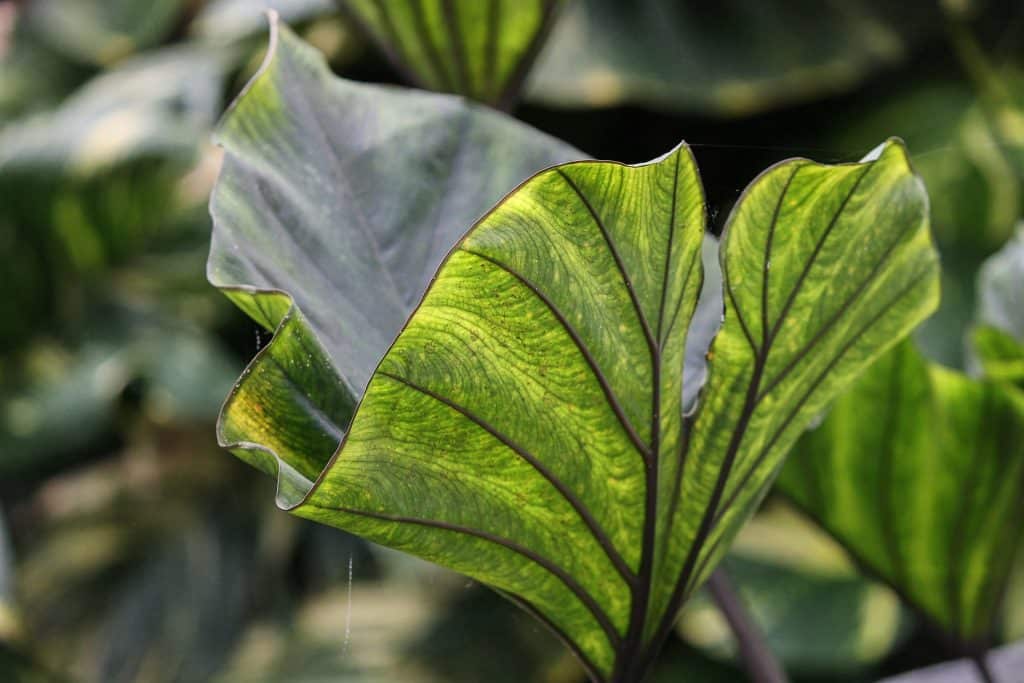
[(132, 550)]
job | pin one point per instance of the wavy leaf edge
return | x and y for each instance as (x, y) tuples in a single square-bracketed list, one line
[(294, 489)]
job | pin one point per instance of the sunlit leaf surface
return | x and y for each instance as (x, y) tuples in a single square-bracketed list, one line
[(526, 427)]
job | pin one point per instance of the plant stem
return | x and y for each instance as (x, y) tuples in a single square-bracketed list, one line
[(758, 659), (982, 666)]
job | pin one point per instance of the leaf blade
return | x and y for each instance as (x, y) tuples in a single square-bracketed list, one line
[(305, 244), (771, 373), (933, 514)]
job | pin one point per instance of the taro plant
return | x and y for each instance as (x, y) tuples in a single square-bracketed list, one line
[(514, 401)]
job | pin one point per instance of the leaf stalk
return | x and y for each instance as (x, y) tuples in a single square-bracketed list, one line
[(758, 659)]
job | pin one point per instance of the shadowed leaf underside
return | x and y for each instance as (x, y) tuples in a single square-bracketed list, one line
[(335, 205)]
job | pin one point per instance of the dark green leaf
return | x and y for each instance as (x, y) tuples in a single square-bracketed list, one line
[(157, 105), (479, 48), (919, 472), (734, 58)]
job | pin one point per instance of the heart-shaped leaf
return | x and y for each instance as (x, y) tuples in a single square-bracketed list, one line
[(526, 427), (479, 48), (919, 472), (335, 204)]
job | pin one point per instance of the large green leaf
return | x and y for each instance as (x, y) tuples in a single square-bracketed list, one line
[(734, 58), (538, 385), (919, 472), (526, 427), (336, 203), (480, 48)]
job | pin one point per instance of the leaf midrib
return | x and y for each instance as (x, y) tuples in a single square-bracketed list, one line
[(713, 513)]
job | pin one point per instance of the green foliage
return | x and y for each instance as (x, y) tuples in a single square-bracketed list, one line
[(557, 303), (919, 472), (479, 48), (670, 55), (133, 543)]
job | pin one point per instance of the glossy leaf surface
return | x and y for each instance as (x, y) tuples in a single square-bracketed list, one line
[(479, 48), (919, 472)]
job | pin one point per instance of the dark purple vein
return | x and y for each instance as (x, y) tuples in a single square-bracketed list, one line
[(510, 91), (739, 317), (544, 563), (819, 245), (668, 253), (913, 282), (682, 298), (842, 310), (491, 50), (392, 43), (652, 345), (600, 535), (766, 269), (602, 380)]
